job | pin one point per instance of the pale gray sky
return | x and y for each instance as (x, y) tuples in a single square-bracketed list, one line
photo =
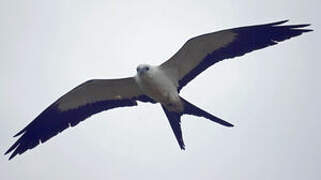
[(272, 95)]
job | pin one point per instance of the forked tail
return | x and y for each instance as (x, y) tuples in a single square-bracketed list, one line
[(174, 119)]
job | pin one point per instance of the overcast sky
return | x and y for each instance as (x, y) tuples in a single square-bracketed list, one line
[(272, 95)]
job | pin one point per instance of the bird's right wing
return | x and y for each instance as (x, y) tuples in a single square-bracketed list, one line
[(75, 106)]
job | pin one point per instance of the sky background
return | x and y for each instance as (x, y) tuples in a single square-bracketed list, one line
[(272, 96)]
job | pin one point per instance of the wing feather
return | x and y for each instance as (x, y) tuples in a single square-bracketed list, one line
[(200, 52), (75, 106)]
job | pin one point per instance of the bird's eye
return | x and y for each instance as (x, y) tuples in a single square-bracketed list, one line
[(147, 68)]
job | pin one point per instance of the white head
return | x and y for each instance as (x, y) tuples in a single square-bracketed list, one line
[(142, 69)]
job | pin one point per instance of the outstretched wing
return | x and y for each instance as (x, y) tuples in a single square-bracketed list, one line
[(80, 103), (200, 52)]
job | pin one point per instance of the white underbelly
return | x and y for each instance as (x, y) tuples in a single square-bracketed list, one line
[(160, 88), (157, 89)]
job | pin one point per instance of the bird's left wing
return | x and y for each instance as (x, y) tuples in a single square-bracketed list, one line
[(75, 106), (200, 52)]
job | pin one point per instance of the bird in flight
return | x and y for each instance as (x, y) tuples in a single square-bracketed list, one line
[(154, 84)]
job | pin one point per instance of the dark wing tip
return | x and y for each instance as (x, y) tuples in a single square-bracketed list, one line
[(283, 22), (52, 121), (11, 148), (20, 132), (25, 142), (299, 25), (13, 155), (289, 28), (278, 22)]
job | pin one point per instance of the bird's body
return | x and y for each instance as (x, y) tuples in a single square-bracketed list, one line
[(154, 84)]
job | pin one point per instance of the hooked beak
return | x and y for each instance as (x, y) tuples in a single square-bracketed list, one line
[(139, 70)]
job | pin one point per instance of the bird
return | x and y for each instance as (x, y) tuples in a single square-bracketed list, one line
[(156, 84)]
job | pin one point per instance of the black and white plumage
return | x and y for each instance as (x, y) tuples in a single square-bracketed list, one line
[(154, 84)]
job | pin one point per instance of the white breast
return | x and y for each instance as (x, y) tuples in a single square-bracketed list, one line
[(157, 85)]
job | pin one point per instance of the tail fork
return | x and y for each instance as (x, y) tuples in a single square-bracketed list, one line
[(193, 110), (174, 119)]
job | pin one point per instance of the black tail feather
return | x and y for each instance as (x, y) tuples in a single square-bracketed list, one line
[(193, 110), (174, 119)]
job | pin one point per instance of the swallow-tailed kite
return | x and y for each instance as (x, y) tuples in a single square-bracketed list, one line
[(154, 84)]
